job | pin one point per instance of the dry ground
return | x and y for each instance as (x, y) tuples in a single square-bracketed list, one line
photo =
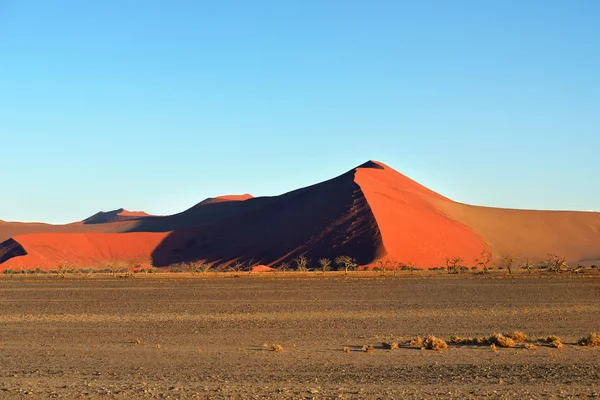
[(76, 338)]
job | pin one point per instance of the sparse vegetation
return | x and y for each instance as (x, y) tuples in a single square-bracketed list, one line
[(346, 350), (530, 346), (454, 265), (302, 263), (390, 345), (417, 341), (517, 336), (591, 340), (347, 262), (483, 261), (553, 341), (433, 343), (556, 263), (509, 261), (367, 348), (277, 348), (502, 341), (325, 264)]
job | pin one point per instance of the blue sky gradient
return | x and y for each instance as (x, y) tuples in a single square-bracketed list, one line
[(156, 105)]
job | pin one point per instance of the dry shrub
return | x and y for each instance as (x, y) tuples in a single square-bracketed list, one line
[(591, 340), (456, 339), (500, 340), (391, 346), (265, 346), (517, 336), (553, 341), (530, 346), (277, 348), (157, 346), (346, 349), (138, 341), (367, 348), (433, 343), (493, 347), (417, 341)]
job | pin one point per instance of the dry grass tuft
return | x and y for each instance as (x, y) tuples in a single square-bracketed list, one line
[(265, 346), (433, 343), (346, 349), (517, 336), (138, 341), (591, 340), (493, 347), (277, 348), (417, 341), (157, 346), (391, 346), (553, 341), (530, 346), (367, 348), (500, 340)]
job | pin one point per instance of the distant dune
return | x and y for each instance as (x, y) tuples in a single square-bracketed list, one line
[(113, 216), (370, 212)]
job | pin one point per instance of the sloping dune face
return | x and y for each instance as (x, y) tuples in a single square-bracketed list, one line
[(82, 250), (413, 228), (532, 233)]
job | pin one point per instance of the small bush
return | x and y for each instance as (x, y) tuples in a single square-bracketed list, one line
[(417, 341), (276, 348), (517, 336), (346, 349), (367, 348), (530, 346), (138, 341), (157, 346), (553, 341), (433, 343), (591, 340), (500, 340), (391, 346), (493, 347)]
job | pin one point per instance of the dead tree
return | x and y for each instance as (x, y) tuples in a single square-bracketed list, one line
[(325, 264), (508, 261), (347, 262), (484, 261), (302, 263)]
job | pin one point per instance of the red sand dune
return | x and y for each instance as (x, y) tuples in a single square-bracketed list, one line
[(46, 250), (121, 214), (369, 212)]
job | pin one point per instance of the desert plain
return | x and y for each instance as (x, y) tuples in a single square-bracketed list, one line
[(180, 336)]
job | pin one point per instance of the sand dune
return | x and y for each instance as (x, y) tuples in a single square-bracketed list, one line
[(370, 212)]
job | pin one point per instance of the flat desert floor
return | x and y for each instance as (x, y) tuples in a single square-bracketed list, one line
[(203, 338)]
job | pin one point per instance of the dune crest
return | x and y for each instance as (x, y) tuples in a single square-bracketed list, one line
[(369, 212)]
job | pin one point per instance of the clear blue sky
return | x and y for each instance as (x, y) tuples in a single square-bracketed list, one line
[(156, 105)]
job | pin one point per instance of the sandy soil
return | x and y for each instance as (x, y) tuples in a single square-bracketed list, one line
[(76, 338)]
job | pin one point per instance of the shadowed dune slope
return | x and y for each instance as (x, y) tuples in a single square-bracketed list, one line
[(326, 219)]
